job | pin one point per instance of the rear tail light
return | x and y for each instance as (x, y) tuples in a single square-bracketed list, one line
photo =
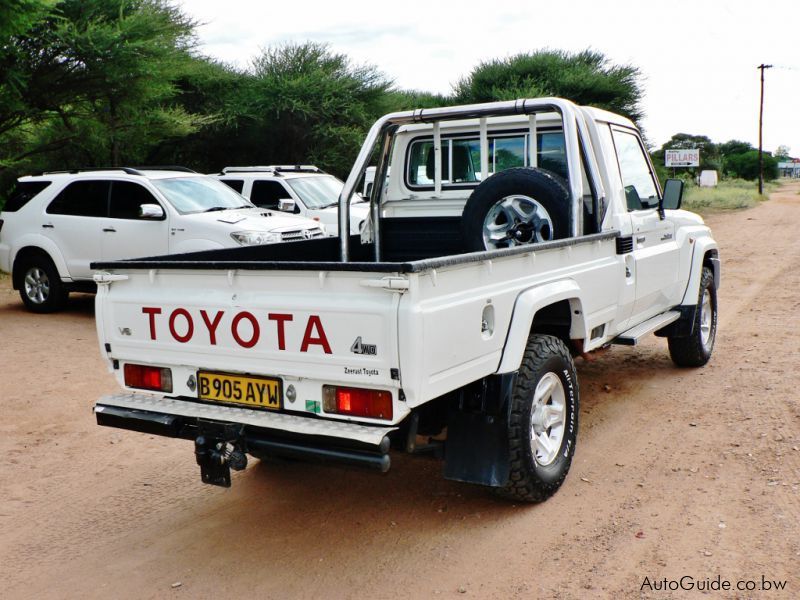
[(357, 402), (157, 379)]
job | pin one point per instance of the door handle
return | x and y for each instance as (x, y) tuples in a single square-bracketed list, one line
[(109, 229), (48, 226), (641, 239)]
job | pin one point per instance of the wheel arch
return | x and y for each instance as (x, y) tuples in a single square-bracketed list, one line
[(553, 308), (49, 251), (706, 254)]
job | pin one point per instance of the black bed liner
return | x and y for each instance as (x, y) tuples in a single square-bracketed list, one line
[(409, 245)]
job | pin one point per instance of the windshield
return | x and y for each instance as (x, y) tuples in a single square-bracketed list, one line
[(319, 192), (199, 194)]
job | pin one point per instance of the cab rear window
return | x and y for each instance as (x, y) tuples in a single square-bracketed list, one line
[(24, 192), (461, 158)]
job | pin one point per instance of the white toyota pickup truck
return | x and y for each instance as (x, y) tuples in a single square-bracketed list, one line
[(510, 238)]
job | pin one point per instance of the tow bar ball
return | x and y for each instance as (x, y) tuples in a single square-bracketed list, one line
[(216, 459)]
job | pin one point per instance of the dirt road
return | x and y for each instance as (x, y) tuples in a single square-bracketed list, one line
[(677, 473)]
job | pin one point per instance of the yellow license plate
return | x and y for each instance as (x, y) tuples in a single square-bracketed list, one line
[(262, 392)]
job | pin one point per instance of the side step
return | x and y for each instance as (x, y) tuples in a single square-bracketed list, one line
[(633, 335)]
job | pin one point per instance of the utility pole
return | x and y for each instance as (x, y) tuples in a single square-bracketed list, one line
[(762, 66)]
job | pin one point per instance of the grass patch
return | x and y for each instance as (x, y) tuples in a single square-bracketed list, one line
[(731, 194)]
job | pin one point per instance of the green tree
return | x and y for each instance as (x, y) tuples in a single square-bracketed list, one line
[(93, 82), (782, 153), (303, 103), (745, 165), (585, 77)]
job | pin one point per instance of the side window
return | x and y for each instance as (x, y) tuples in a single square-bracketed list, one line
[(127, 197), (267, 193), (236, 185), (82, 199), (24, 192), (552, 153), (640, 189)]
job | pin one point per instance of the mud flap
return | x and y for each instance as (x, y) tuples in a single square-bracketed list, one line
[(477, 448)]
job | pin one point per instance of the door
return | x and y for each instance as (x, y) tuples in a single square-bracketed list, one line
[(655, 253), (74, 222), (125, 233)]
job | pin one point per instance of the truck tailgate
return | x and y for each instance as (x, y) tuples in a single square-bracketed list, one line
[(253, 322)]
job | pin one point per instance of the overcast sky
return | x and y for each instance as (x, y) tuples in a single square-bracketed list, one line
[(698, 58)]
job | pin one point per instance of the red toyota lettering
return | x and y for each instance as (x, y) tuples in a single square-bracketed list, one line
[(151, 312), (212, 325), (235, 329), (181, 312), (280, 320), (320, 340)]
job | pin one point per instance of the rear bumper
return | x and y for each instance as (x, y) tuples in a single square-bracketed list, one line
[(262, 433)]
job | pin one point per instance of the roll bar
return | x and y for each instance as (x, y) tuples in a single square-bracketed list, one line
[(576, 136)]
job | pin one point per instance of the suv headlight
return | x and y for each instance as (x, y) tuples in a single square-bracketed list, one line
[(255, 238)]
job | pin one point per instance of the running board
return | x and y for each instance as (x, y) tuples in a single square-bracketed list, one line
[(633, 335)]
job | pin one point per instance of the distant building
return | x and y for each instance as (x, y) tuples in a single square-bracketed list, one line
[(789, 168)]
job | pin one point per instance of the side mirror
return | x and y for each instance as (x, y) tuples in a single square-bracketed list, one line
[(151, 211), (286, 205), (673, 194)]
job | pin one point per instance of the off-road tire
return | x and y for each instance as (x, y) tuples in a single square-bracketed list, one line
[(541, 185), (41, 268), (530, 481), (691, 351)]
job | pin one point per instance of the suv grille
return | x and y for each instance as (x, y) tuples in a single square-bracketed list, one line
[(302, 234)]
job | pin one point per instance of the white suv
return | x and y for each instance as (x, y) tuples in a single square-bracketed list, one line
[(299, 189), (56, 224)]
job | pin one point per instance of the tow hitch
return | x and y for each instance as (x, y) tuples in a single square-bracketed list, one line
[(218, 455)]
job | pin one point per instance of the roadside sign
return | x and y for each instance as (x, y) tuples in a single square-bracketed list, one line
[(688, 157)]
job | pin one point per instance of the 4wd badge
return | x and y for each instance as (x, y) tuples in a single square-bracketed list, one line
[(360, 347)]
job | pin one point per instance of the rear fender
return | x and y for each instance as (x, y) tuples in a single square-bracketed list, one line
[(528, 303), (42, 244)]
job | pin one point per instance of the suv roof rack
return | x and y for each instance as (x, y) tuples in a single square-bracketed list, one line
[(276, 169), (127, 170), (165, 168)]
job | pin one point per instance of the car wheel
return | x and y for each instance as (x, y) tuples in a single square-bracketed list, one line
[(514, 207), (543, 427), (41, 288), (695, 350)]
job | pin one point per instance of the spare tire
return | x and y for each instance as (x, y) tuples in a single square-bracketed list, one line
[(517, 206)]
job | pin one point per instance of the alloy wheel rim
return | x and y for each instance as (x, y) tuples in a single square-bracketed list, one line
[(706, 319), (516, 220), (37, 285), (548, 419)]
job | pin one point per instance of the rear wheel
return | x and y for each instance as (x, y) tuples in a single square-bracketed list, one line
[(544, 421), (41, 289)]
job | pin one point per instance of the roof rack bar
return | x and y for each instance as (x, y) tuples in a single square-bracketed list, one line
[(128, 170), (165, 168), (273, 169)]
